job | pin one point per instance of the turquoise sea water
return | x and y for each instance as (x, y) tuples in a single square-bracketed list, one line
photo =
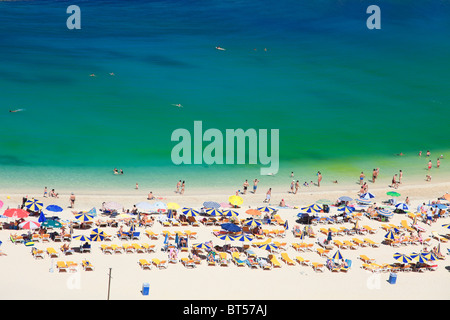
[(345, 98)]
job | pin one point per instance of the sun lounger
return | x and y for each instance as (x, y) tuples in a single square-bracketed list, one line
[(286, 259), (67, 252), (144, 264), (223, 259), (61, 266), (370, 267), (73, 267), (106, 249), (436, 236), (404, 225), (36, 237), (274, 261), (339, 244), (371, 243), (16, 239), (188, 263), (302, 261), (350, 245), (45, 237), (52, 253), (87, 265), (151, 235), (138, 248), (237, 260), (322, 252), (359, 242), (318, 267), (37, 253), (366, 259), (370, 229), (128, 248), (160, 264)]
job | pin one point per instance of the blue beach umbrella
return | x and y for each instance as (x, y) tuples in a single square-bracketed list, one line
[(268, 246), (54, 208), (42, 218), (34, 205), (385, 213), (202, 245), (81, 238), (244, 238), (364, 201), (211, 204), (419, 257), (226, 237), (337, 256), (97, 235), (253, 223), (347, 209), (390, 235), (84, 216), (446, 226), (403, 258), (230, 227), (286, 226), (367, 196), (345, 198)]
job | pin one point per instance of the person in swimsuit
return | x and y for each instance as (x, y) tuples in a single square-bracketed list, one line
[(245, 186), (361, 178), (255, 185)]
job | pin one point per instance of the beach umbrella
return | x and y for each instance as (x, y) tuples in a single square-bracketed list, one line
[(173, 206), (54, 208), (266, 209), (430, 256), (189, 212), (364, 201), (225, 205), (236, 200), (446, 226), (324, 201), (390, 235), (403, 258), (268, 246), (402, 206), (312, 208), (337, 256), (51, 224), (124, 216), (286, 226), (84, 216), (159, 206), (29, 225), (16, 213), (226, 237), (81, 237), (230, 213), (213, 212), (34, 205), (97, 235), (347, 209), (244, 238), (252, 223), (211, 204), (393, 194), (419, 257), (93, 212), (42, 218), (345, 198), (385, 213), (447, 196), (112, 206), (144, 206), (253, 212), (202, 245), (367, 196), (230, 227)]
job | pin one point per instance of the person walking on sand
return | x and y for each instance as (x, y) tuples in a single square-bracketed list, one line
[(178, 186), (361, 178), (255, 185), (374, 175), (292, 186), (297, 185), (72, 200), (319, 178), (268, 195), (183, 185), (400, 176)]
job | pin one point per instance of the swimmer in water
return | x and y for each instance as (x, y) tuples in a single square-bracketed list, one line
[(92, 75), (220, 48), (177, 105), (17, 110)]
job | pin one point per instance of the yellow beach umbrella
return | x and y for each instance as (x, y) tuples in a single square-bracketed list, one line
[(173, 206), (236, 200)]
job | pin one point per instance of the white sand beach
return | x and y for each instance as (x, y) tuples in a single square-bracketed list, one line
[(29, 278)]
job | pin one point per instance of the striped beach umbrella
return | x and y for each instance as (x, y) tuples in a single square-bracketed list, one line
[(213, 212), (337, 256), (253, 223), (403, 258), (34, 205), (266, 209), (419, 257), (81, 237), (367, 196), (97, 235), (390, 235), (402, 206), (385, 213), (312, 208), (364, 201), (29, 225), (190, 212), (430, 256), (230, 213), (268, 246), (347, 209), (446, 225), (16, 213), (202, 246), (84, 216), (244, 238)]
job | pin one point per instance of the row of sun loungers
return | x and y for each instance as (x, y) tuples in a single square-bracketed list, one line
[(70, 266), (128, 248)]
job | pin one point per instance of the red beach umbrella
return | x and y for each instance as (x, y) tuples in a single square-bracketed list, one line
[(16, 213)]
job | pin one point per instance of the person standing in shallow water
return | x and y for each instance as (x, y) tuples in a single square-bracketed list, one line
[(319, 178)]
